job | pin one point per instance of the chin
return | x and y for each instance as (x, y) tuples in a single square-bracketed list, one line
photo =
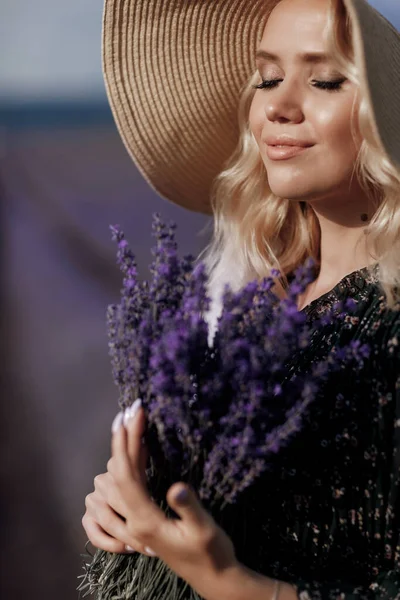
[(299, 190), (292, 194)]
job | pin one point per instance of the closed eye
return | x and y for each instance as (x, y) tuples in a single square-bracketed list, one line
[(331, 86)]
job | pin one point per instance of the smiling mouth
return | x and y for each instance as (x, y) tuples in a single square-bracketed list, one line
[(284, 152)]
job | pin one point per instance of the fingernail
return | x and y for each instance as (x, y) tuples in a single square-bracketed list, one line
[(116, 424), (149, 551), (129, 548), (182, 496), (131, 411)]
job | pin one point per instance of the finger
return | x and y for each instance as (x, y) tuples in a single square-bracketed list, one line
[(138, 454), (128, 471), (110, 524), (100, 511), (105, 486), (135, 424), (99, 538), (140, 466), (129, 475), (185, 502), (144, 457), (119, 442)]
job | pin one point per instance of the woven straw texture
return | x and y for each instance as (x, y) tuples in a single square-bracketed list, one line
[(377, 48), (173, 72)]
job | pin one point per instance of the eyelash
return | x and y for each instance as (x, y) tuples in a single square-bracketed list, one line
[(330, 86)]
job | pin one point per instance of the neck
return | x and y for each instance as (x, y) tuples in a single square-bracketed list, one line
[(342, 252), (343, 246)]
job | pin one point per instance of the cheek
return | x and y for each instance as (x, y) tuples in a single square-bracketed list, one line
[(333, 128)]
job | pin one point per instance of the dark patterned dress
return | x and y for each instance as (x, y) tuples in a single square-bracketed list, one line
[(327, 519)]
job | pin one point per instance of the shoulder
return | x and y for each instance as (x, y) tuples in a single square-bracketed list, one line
[(379, 327), (384, 339)]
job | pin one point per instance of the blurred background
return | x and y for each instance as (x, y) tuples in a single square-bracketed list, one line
[(64, 178)]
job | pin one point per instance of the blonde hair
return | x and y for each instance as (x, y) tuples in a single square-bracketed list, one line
[(256, 231)]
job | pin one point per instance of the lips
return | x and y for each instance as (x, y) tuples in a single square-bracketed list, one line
[(284, 152), (285, 140)]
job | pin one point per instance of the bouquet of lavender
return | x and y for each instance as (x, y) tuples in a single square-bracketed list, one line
[(218, 414)]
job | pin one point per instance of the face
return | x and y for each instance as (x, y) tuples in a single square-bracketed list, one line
[(295, 102)]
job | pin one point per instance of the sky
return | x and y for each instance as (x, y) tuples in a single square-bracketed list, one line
[(50, 50)]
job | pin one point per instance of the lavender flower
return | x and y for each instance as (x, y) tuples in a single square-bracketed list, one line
[(218, 417), (228, 409)]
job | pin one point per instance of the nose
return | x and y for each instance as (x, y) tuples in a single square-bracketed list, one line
[(283, 104)]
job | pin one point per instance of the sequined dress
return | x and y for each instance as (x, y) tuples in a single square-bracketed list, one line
[(327, 519)]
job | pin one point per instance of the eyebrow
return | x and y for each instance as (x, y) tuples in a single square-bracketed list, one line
[(308, 57)]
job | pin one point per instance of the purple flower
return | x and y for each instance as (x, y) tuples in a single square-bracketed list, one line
[(217, 417), (227, 409)]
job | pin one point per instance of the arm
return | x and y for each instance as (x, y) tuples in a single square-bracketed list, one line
[(243, 584), (385, 587)]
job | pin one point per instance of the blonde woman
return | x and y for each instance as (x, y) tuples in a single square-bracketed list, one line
[(310, 168)]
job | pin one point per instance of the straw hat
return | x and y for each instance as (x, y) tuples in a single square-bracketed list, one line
[(174, 70)]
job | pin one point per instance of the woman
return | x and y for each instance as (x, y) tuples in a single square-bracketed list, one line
[(316, 172)]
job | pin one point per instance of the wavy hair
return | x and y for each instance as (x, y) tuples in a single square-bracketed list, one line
[(256, 231)]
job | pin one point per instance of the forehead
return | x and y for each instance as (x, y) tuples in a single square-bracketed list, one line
[(297, 23)]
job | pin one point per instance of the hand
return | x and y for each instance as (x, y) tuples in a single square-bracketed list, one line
[(120, 513)]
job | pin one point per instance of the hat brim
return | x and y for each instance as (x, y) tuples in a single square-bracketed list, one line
[(377, 56), (173, 73)]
